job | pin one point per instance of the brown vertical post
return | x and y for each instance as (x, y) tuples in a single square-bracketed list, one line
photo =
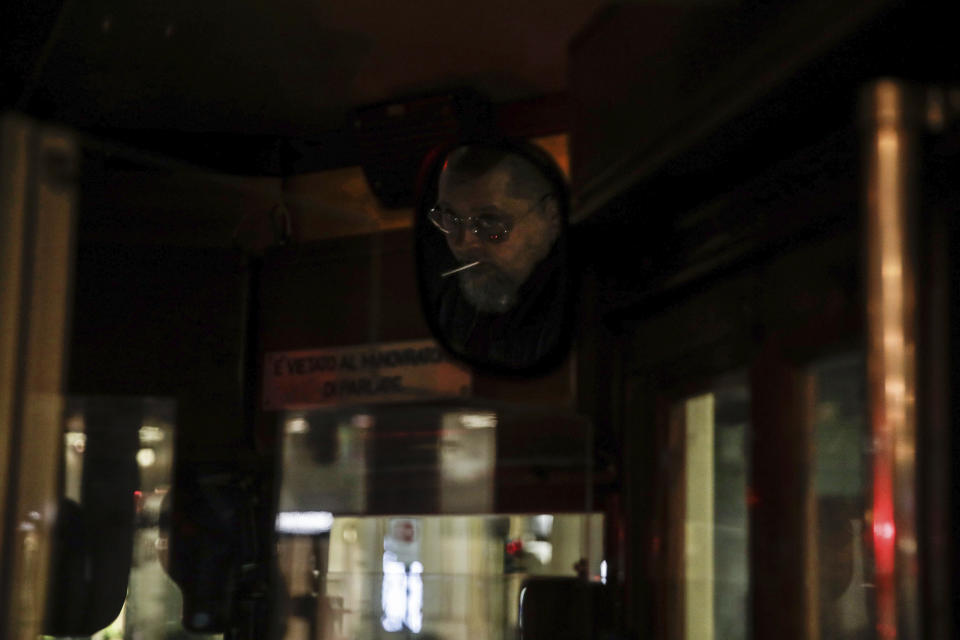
[(780, 500), (37, 214)]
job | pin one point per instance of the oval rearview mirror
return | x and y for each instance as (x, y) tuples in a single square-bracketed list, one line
[(492, 254)]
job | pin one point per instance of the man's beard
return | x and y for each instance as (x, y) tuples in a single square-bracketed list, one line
[(488, 288)]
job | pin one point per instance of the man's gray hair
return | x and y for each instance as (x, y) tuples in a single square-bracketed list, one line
[(472, 161)]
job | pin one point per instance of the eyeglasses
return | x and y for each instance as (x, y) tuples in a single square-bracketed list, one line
[(489, 227)]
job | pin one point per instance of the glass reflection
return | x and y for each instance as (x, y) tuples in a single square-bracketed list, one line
[(389, 523), (108, 579), (716, 531), (451, 577), (840, 486)]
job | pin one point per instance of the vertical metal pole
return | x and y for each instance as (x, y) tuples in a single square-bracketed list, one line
[(891, 122)]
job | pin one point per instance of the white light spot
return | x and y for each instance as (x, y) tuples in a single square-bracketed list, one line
[(543, 525), (884, 530), (414, 618), (543, 551), (478, 420), (146, 457), (76, 441), (297, 425), (304, 522), (150, 434), (401, 595), (393, 594)]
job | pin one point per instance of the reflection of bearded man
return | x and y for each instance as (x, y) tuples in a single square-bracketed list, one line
[(507, 219), (488, 288)]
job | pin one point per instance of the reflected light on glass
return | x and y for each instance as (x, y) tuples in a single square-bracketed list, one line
[(603, 571), (393, 594), (401, 595), (150, 434), (907, 545), (543, 525), (478, 420), (884, 531), (305, 523), (523, 594), (889, 302), (543, 551), (76, 441), (30, 524), (891, 269), (414, 619), (297, 425), (362, 421), (146, 457)]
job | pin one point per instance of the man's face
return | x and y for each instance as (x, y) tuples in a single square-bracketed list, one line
[(492, 285)]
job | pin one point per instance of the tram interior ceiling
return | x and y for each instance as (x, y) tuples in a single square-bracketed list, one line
[(250, 183)]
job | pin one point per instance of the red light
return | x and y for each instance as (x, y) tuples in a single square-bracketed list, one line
[(884, 531), (514, 547), (884, 544)]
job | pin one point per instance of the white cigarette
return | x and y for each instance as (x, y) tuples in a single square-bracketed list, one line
[(469, 265)]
